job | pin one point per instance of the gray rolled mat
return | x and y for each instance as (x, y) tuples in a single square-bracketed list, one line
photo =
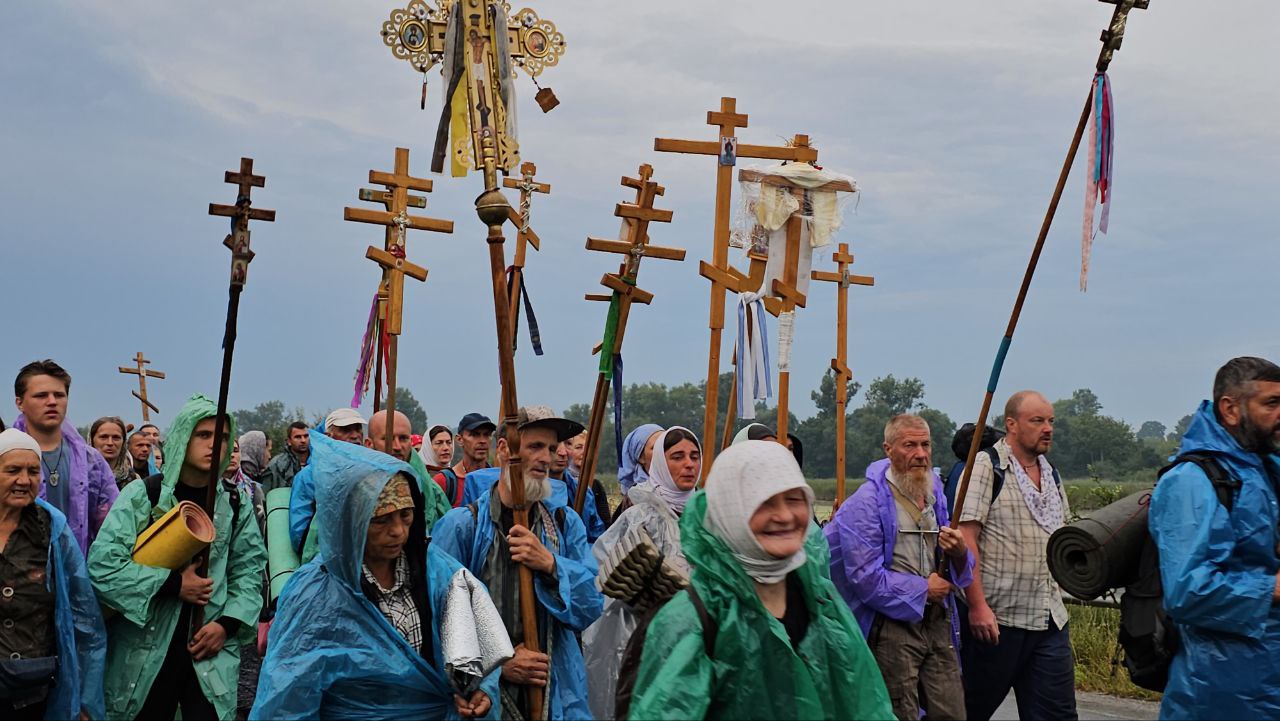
[(1100, 551)]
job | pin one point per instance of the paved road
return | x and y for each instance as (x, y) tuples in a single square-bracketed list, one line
[(1092, 707)]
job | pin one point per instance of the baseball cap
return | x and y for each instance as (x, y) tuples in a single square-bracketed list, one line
[(543, 417), (475, 421), (343, 417)]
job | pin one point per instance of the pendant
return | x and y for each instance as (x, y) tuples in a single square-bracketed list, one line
[(53, 478)]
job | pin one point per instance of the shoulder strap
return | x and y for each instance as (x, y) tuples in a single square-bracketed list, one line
[(452, 488), (1223, 484), (997, 473), (560, 516), (704, 617), (475, 511)]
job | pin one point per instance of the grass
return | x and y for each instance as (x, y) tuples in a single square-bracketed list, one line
[(1098, 661)]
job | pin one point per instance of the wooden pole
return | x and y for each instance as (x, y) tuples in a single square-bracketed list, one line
[(636, 216), (238, 242), (1111, 40)]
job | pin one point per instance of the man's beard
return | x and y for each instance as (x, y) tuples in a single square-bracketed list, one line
[(1255, 439), (534, 489), (914, 481)]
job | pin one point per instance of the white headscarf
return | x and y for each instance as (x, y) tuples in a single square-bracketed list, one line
[(13, 439), (743, 477), (660, 479)]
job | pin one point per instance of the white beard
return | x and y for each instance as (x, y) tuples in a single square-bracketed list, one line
[(533, 490), (915, 482)]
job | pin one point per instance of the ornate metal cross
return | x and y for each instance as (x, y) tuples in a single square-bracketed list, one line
[(240, 214), (143, 374)]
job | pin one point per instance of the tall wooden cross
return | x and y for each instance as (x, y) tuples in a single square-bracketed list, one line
[(784, 292), (635, 247), (843, 279), (397, 221), (240, 214), (525, 236), (727, 120), (143, 374)]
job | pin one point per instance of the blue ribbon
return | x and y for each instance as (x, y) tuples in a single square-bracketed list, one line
[(999, 364)]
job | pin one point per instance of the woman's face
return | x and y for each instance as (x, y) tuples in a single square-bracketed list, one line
[(234, 465), (19, 479), (109, 440), (780, 523), (647, 453), (387, 535), (683, 461), (442, 444)]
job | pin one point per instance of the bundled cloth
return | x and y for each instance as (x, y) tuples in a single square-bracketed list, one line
[(473, 638), (635, 571), (1101, 551)]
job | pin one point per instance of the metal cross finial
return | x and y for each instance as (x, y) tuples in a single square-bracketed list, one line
[(240, 214)]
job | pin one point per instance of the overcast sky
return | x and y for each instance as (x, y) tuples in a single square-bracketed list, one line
[(118, 119)]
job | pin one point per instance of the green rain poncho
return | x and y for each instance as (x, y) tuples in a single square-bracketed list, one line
[(138, 638), (756, 674)]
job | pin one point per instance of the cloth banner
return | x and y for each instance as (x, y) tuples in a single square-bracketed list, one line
[(755, 382), (364, 371)]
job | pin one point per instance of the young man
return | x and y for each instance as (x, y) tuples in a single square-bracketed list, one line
[(77, 479), (884, 541), (140, 453), (1218, 565), (156, 662), (474, 432), (281, 469), (1016, 615), (484, 537)]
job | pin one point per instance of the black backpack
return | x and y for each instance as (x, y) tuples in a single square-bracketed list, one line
[(634, 651), (1149, 638), (454, 488)]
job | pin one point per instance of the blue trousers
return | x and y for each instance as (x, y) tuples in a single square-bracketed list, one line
[(1037, 665)]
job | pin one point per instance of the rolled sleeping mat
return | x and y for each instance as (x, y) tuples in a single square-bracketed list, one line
[(1100, 551), (282, 560), (176, 538)]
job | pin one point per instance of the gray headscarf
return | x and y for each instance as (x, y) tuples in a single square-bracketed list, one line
[(253, 453)]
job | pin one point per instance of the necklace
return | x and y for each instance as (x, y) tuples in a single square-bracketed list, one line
[(52, 475)]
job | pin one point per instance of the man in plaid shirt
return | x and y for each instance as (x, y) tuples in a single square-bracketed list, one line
[(1018, 624)]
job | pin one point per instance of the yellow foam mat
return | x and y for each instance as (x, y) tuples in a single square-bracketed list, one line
[(173, 540)]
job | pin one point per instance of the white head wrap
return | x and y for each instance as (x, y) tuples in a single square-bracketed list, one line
[(743, 477), (660, 479), (13, 439)]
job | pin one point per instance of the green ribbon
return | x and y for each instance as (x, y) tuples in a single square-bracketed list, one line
[(611, 332)]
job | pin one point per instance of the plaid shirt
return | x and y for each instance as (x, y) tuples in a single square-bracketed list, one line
[(397, 604), (1014, 566)]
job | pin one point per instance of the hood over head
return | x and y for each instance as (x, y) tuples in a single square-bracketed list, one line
[(196, 409)]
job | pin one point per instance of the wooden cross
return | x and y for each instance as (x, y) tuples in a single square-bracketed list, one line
[(635, 247), (143, 374), (391, 257), (843, 279), (785, 293), (727, 120), (1113, 36), (525, 236), (240, 214)]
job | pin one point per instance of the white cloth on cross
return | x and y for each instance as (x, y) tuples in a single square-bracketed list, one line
[(755, 382)]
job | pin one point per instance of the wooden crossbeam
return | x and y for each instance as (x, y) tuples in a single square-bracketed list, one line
[(525, 235), (143, 374), (241, 213)]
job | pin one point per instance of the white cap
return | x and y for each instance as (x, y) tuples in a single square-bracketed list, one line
[(343, 417), (13, 439)]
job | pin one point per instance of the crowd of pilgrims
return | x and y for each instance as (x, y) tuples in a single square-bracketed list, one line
[(409, 543)]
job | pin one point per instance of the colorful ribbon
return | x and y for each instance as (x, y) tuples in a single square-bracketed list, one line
[(755, 382), (1099, 180), (364, 370)]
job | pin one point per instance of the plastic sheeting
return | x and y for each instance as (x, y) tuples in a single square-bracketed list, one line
[(1100, 551)]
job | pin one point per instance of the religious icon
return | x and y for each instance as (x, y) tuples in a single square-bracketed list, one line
[(536, 43), (414, 35), (728, 151)]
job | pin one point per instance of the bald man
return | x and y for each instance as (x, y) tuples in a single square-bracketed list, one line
[(402, 448)]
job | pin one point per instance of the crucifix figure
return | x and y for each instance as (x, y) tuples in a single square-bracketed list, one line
[(524, 238), (634, 247), (397, 221), (726, 120), (843, 279), (143, 374)]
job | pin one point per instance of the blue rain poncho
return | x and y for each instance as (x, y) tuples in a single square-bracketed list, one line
[(77, 621), (570, 598), (331, 653), (1219, 573)]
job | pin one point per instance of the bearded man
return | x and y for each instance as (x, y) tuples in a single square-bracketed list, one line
[(885, 544), (484, 537)]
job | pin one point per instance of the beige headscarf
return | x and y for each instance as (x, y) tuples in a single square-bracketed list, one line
[(395, 496)]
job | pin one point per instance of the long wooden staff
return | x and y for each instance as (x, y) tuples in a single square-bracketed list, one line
[(1111, 39), (238, 242)]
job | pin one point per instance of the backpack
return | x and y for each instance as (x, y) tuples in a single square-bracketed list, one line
[(153, 485), (454, 488), (1149, 638), (634, 651), (952, 482)]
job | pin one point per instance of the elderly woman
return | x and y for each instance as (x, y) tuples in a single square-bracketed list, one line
[(52, 641), (107, 435), (656, 507), (637, 451), (762, 632), (358, 631), (255, 451)]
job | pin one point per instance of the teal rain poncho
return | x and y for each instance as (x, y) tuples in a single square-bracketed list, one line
[(138, 638), (331, 653), (1219, 572)]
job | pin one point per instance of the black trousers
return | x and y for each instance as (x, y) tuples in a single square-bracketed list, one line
[(177, 684), (1037, 665)]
